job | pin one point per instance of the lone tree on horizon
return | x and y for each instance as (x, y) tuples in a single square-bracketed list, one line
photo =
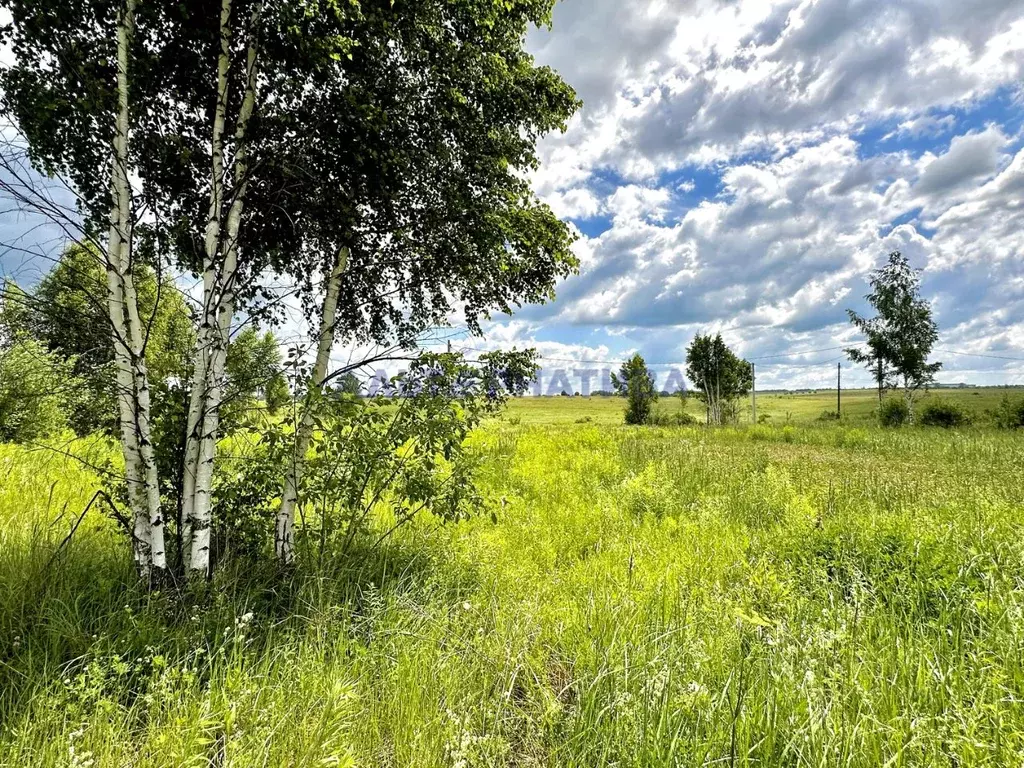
[(901, 336), (636, 382), (718, 375)]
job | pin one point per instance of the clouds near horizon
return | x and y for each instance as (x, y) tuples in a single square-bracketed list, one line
[(743, 165)]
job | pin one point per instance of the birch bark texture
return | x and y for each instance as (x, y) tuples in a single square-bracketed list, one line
[(131, 378), (204, 337), (219, 287)]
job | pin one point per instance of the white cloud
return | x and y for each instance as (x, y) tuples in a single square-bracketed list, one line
[(713, 79), (633, 202), (779, 101), (970, 157), (579, 203)]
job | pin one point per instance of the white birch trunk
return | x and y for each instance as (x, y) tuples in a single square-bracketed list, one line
[(284, 544), (131, 377), (205, 338), (125, 394), (223, 304), (150, 484)]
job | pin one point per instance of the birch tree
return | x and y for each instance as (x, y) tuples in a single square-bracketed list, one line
[(72, 89), (219, 285), (269, 138), (129, 357), (434, 123), (285, 523), (717, 374), (900, 337), (35, 39)]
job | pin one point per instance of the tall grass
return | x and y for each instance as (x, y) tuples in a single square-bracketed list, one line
[(781, 596)]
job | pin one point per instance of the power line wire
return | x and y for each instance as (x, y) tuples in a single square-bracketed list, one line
[(805, 352), (979, 354)]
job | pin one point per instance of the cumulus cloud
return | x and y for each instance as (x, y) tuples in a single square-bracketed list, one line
[(734, 77), (579, 203), (633, 202), (754, 161), (970, 157)]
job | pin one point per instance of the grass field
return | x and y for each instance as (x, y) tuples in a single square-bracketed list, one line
[(858, 406), (787, 594)]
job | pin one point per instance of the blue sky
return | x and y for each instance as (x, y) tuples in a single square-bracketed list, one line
[(742, 166)]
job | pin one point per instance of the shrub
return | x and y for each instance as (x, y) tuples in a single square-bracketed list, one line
[(893, 412), (827, 415), (681, 419), (760, 433), (944, 413), (1010, 413), (37, 389)]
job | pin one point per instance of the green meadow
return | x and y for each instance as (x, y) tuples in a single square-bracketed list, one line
[(793, 593), (858, 406)]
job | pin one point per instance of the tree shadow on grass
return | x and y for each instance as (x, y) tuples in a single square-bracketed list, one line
[(57, 617)]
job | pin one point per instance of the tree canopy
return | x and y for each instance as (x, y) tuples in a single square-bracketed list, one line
[(401, 129), (374, 154), (635, 382), (900, 337), (718, 375)]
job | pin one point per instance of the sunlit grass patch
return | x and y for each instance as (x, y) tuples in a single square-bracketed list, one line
[(664, 596)]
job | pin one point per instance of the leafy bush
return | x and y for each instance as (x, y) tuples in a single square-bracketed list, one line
[(944, 413), (684, 419), (245, 490), (1010, 413), (387, 458), (680, 419), (36, 391), (893, 412)]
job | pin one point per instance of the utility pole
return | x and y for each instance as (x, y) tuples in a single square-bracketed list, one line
[(839, 390), (753, 393)]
